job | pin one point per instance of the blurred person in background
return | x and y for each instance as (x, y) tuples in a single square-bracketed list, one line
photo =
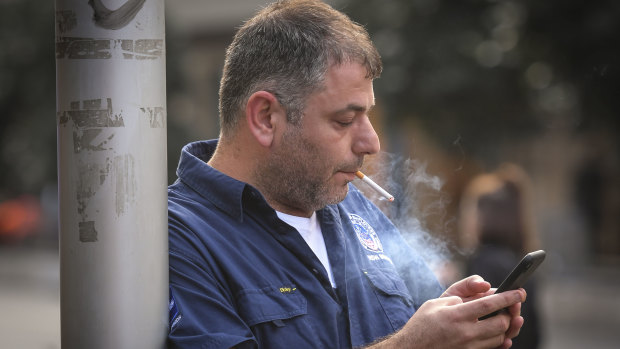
[(497, 230), (270, 244)]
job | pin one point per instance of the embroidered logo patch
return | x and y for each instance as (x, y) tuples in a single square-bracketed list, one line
[(366, 234)]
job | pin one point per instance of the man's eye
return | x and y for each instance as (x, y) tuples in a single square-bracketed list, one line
[(344, 123)]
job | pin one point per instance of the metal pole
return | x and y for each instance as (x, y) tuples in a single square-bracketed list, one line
[(111, 123)]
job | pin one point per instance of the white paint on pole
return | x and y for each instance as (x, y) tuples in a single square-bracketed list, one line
[(111, 119)]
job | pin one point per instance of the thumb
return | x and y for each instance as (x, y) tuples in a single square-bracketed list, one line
[(476, 284), (472, 286)]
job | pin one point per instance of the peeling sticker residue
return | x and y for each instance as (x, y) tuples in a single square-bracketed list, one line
[(156, 115), (65, 21), (120, 170), (115, 19), (148, 49), (116, 174), (83, 48), (94, 124), (125, 184), (89, 119), (90, 178), (86, 140), (87, 231), (92, 114), (91, 48)]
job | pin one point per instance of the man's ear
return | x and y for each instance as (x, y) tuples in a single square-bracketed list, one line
[(263, 112)]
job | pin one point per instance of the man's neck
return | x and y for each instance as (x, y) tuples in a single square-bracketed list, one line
[(238, 160), (229, 159)]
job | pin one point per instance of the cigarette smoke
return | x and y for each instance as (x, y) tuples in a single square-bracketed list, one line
[(418, 198)]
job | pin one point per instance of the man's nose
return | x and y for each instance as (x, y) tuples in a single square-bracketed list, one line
[(366, 141)]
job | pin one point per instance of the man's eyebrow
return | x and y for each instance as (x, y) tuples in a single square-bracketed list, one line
[(356, 108)]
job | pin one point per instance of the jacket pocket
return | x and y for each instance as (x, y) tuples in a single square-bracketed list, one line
[(277, 317), (392, 294)]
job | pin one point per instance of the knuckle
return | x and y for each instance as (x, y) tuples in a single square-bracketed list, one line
[(515, 333), (500, 340), (469, 336), (503, 325), (486, 307)]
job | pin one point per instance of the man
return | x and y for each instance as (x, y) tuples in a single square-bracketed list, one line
[(270, 244)]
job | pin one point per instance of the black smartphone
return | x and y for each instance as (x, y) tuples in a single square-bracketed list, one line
[(520, 274)]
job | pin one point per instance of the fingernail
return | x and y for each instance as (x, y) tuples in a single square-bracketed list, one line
[(521, 295)]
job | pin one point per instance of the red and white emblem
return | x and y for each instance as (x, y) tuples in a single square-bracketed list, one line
[(366, 234)]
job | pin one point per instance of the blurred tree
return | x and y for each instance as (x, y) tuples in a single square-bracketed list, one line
[(503, 70), (27, 97), (507, 70), (580, 40), (481, 82)]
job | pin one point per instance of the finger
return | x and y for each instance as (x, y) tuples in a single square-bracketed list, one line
[(483, 306), (468, 287), (522, 290), (515, 309), (496, 325), (515, 326), (494, 331), (476, 284), (479, 295), (498, 341), (448, 300), (507, 344)]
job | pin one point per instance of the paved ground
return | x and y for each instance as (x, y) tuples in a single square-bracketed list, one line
[(29, 298), (581, 309)]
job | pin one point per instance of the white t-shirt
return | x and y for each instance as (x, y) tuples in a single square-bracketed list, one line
[(310, 230)]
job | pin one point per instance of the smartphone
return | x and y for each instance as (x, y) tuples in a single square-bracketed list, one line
[(520, 274)]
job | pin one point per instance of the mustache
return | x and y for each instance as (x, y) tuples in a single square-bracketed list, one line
[(351, 166)]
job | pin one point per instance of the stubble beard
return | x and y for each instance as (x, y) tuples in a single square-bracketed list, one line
[(296, 176)]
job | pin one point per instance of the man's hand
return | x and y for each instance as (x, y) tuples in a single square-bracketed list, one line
[(474, 287), (451, 321), (470, 288)]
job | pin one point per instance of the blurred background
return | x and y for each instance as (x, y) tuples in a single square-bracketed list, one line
[(508, 105)]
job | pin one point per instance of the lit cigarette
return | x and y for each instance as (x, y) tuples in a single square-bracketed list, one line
[(374, 186)]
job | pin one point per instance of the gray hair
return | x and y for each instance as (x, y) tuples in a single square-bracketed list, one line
[(286, 49)]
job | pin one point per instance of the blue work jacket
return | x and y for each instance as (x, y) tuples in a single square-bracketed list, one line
[(240, 276)]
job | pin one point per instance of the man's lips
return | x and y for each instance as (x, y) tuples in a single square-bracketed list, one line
[(348, 174)]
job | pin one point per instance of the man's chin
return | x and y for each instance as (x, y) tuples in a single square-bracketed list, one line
[(340, 195)]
